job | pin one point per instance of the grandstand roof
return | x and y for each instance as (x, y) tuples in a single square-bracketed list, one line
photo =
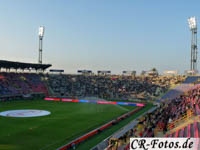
[(21, 65)]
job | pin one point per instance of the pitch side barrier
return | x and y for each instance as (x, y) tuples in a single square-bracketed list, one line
[(96, 131), (98, 102), (103, 127)]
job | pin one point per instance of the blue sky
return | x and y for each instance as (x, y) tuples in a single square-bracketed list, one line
[(111, 35)]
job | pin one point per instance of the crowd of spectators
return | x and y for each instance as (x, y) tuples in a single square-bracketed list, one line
[(165, 114), (121, 87), (21, 84)]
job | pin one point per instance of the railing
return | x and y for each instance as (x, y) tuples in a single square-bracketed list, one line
[(184, 117), (174, 124)]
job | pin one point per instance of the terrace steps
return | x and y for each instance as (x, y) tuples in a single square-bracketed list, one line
[(190, 128)]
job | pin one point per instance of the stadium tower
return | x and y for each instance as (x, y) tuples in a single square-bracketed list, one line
[(193, 27), (41, 35)]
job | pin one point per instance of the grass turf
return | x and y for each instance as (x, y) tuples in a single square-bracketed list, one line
[(88, 144), (66, 122)]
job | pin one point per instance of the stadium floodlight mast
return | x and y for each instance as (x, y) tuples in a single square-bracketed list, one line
[(41, 35), (192, 21)]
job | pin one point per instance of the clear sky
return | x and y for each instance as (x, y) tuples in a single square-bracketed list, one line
[(111, 35)]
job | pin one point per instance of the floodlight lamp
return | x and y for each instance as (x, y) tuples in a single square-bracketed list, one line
[(41, 31), (192, 23)]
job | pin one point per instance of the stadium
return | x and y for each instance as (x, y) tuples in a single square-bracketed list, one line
[(43, 107)]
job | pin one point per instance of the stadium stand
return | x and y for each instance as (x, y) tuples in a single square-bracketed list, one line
[(21, 83), (121, 87), (110, 87), (13, 84), (178, 90), (178, 117)]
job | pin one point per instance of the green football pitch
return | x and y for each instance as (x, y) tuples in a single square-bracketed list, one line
[(66, 122)]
